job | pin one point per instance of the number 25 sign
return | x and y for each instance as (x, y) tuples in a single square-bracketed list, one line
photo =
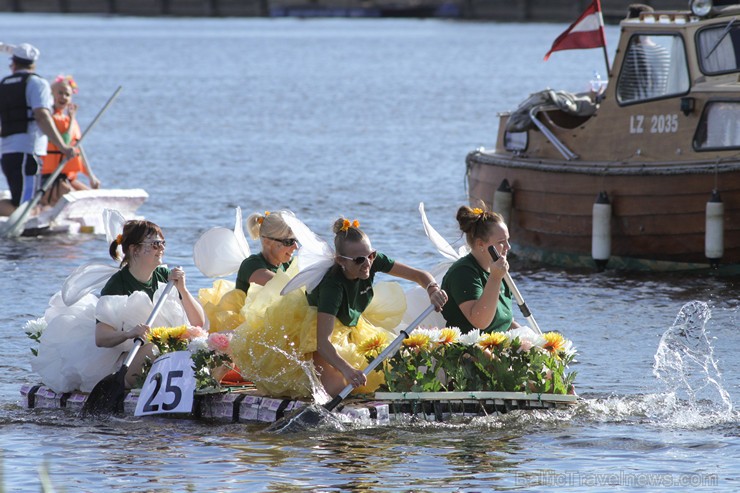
[(169, 387)]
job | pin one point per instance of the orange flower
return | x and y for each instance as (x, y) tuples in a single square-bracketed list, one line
[(554, 342), (372, 345), (492, 340), (448, 336), (417, 340)]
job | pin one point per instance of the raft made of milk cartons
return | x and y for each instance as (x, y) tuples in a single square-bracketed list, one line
[(245, 405)]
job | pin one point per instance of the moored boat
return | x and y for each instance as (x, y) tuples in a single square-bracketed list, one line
[(81, 211), (642, 176)]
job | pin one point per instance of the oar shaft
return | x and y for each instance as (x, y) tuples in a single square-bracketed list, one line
[(14, 226), (138, 342), (521, 303), (49, 181), (517, 295), (385, 354)]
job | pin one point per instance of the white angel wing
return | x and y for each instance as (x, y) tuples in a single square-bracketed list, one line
[(220, 251), (86, 279), (113, 223), (315, 257), (439, 243)]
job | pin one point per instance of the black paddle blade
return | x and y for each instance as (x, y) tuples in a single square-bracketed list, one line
[(300, 420), (107, 396)]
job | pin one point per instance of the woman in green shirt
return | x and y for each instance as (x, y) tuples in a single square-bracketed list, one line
[(278, 245), (328, 329), (478, 296), (142, 244)]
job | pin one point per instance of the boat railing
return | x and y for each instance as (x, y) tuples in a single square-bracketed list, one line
[(562, 148)]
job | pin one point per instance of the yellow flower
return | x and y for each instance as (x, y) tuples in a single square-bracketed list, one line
[(417, 340), (373, 345), (492, 340), (554, 342), (448, 336), (345, 225), (163, 334), (478, 211)]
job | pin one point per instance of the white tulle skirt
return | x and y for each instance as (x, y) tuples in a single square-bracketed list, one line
[(68, 358)]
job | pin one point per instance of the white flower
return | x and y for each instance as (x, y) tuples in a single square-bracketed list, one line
[(198, 344), (470, 338), (35, 326)]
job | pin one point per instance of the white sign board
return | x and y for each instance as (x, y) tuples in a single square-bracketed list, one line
[(169, 387)]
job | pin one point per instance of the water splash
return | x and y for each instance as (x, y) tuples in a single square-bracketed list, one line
[(691, 394), (686, 364)]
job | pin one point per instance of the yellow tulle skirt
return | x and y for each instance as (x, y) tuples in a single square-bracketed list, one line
[(274, 346)]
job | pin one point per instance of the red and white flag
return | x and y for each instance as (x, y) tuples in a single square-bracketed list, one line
[(586, 32)]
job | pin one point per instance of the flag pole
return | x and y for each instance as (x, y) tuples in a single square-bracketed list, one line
[(603, 39), (606, 61)]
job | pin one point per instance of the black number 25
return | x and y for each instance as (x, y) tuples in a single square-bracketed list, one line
[(168, 388)]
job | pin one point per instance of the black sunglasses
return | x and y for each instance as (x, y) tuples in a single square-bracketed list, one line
[(361, 260), (287, 242), (155, 243)]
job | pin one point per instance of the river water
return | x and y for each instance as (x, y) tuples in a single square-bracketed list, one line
[(365, 118)]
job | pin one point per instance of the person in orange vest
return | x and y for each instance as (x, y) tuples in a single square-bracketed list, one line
[(62, 89)]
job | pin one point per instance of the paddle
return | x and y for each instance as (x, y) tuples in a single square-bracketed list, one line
[(107, 396), (16, 221), (312, 415), (519, 299)]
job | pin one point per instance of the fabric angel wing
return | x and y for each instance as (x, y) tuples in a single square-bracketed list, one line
[(315, 257), (440, 243), (220, 251), (113, 222), (92, 276), (84, 280)]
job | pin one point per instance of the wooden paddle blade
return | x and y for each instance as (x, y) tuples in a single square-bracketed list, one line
[(107, 396)]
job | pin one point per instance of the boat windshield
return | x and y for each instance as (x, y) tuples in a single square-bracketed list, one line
[(654, 67), (719, 48), (719, 127)]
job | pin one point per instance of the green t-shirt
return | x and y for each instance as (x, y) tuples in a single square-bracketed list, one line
[(124, 283), (254, 263), (465, 281), (344, 298)]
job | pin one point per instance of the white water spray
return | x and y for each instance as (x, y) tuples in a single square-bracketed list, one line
[(686, 364)]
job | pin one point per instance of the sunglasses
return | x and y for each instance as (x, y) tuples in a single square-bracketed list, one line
[(155, 243), (361, 260), (287, 242)]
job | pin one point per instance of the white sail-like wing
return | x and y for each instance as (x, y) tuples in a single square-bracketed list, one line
[(86, 279), (439, 243), (315, 257)]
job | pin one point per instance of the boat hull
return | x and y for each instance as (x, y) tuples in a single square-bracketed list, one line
[(658, 217), (245, 405)]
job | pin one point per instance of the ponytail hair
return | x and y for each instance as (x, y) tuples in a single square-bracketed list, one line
[(346, 231), (134, 233), (477, 223), (270, 224)]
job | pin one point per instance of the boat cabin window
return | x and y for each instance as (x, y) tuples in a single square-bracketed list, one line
[(654, 67), (719, 48), (719, 127)]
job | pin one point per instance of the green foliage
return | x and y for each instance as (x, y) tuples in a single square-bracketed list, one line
[(462, 367)]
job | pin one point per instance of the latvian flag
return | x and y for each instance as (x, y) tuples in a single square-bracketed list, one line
[(586, 32)]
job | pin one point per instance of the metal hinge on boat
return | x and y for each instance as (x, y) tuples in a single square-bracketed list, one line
[(567, 153)]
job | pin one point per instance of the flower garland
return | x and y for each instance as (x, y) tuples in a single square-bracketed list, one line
[(519, 360), (210, 352)]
